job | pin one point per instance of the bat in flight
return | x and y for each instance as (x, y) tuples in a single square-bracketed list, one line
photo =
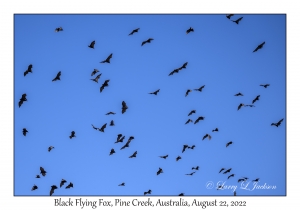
[(107, 60), (259, 47), (134, 31), (124, 107), (29, 69), (59, 29), (105, 84), (189, 30), (57, 76), (53, 187), (238, 20), (92, 44), (278, 123), (147, 41), (155, 92), (97, 78), (94, 72), (22, 99)]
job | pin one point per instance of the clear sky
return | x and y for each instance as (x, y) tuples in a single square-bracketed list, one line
[(220, 56)]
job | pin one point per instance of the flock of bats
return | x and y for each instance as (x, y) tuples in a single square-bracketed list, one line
[(120, 137)]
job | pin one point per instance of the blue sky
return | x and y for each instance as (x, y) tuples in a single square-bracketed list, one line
[(219, 55)]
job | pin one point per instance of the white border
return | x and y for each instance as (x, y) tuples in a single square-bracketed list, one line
[(9, 8)]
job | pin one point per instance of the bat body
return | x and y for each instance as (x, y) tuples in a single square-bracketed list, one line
[(105, 84), (97, 78), (22, 99), (189, 30), (107, 60), (57, 76), (278, 123), (147, 41), (29, 69), (134, 31), (259, 47), (72, 135), (92, 44)]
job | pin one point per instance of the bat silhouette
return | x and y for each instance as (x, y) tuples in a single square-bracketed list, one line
[(259, 46), (59, 29), (72, 135), (22, 99), (240, 106), (222, 169), (50, 148), (159, 171), (215, 130), (192, 112), (25, 131), (110, 113), (178, 158), (227, 171), (181, 194), (239, 94), (107, 60), (238, 20), (57, 76), (112, 151), (191, 174), (53, 187), (164, 157), (94, 72), (148, 192), (97, 78), (278, 123), (189, 120), (256, 99), (133, 155), (134, 31), (62, 182), (34, 187), (256, 180), (120, 140), (232, 175), (192, 147), (206, 136), (29, 69), (112, 123), (43, 172), (187, 92), (124, 107), (189, 30), (184, 147), (229, 16), (38, 176), (103, 127), (200, 88), (69, 185), (147, 41), (105, 84), (126, 145), (123, 184), (92, 44), (195, 168), (228, 143), (198, 119), (155, 92), (174, 71), (265, 86), (119, 137), (241, 180)]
